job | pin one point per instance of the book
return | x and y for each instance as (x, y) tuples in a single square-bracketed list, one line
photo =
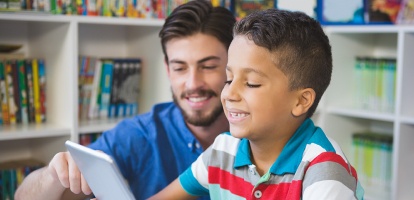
[(383, 11), (106, 81), (129, 88), (4, 93), (406, 13), (245, 7), (30, 90), (36, 91), (93, 112), (42, 89), (116, 80), (10, 92), (23, 91)]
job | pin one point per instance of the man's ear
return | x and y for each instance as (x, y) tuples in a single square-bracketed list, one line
[(306, 97)]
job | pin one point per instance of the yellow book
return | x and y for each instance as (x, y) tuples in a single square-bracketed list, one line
[(36, 92)]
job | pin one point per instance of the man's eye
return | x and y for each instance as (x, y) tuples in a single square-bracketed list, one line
[(178, 69), (253, 85), (209, 67)]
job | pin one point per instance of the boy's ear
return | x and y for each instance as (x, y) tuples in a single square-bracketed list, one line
[(306, 97)]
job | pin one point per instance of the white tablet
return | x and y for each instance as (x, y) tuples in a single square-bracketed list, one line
[(101, 173)]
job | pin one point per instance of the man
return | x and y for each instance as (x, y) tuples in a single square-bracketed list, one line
[(152, 149)]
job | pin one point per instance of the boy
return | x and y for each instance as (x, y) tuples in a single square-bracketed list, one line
[(279, 66)]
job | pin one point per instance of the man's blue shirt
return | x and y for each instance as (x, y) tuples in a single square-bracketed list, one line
[(152, 149)]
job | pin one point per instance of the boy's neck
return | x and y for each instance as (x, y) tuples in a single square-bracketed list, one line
[(266, 151), (206, 134)]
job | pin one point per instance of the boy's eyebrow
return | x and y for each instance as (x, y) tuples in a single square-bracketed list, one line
[(198, 62), (248, 70)]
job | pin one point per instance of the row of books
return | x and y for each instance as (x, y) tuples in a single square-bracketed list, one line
[(108, 88), (366, 11), (86, 139), (126, 8), (372, 159), (375, 83), (22, 91), (12, 174)]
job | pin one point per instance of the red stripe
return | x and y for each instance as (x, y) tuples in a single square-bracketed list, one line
[(228, 181), (238, 186), (333, 157)]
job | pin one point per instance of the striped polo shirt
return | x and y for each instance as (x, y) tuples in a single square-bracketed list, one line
[(310, 166)]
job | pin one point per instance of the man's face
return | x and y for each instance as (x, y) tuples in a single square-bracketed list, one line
[(196, 69)]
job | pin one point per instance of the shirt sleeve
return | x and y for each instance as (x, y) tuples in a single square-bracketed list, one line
[(195, 179), (328, 176)]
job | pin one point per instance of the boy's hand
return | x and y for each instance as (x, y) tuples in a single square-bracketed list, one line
[(64, 169)]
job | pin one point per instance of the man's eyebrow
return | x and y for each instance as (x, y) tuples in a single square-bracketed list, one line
[(208, 58), (198, 62), (248, 70)]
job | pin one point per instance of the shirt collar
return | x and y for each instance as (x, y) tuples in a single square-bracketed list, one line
[(291, 155)]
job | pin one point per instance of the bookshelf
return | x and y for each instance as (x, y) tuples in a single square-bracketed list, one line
[(339, 116), (61, 39)]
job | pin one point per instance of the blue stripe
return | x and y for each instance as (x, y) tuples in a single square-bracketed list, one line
[(190, 183)]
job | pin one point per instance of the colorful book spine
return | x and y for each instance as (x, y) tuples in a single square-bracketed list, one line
[(93, 112), (30, 90), (106, 81), (23, 91), (10, 92), (36, 91), (42, 89), (3, 97)]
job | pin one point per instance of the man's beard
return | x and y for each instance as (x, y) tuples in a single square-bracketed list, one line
[(199, 118)]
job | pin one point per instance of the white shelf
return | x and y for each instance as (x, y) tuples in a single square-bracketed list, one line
[(365, 114), (118, 21), (33, 16), (15, 132), (98, 125), (407, 120)]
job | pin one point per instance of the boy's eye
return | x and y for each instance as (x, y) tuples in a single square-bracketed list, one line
[(228, 82), (253, 85)]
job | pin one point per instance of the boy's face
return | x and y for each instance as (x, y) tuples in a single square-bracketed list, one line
[(256, 99), (196, 69)]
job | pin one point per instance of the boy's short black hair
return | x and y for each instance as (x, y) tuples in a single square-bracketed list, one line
[(300, 47), (198, 16)]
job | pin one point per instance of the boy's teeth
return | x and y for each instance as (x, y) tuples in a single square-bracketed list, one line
[(238, 115), (197, 99)]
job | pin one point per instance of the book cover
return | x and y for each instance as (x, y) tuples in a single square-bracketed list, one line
[(30, 91), (36, 91), (106, 81), (16, 90), (4, 107), (245, 7), (115, 88), (129, 88), (42, 89), (10, 92), (23, 91), (406, 13), (93, 112), (383, 11)]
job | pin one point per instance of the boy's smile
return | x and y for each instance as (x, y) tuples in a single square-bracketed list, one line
[(256, 98)]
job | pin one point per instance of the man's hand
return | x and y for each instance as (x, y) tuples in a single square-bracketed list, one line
[(64, 169)]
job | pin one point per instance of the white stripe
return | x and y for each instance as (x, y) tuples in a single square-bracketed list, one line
[(338, 149), (311, 151), (200, 171), (226, 143), (328, 189)]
